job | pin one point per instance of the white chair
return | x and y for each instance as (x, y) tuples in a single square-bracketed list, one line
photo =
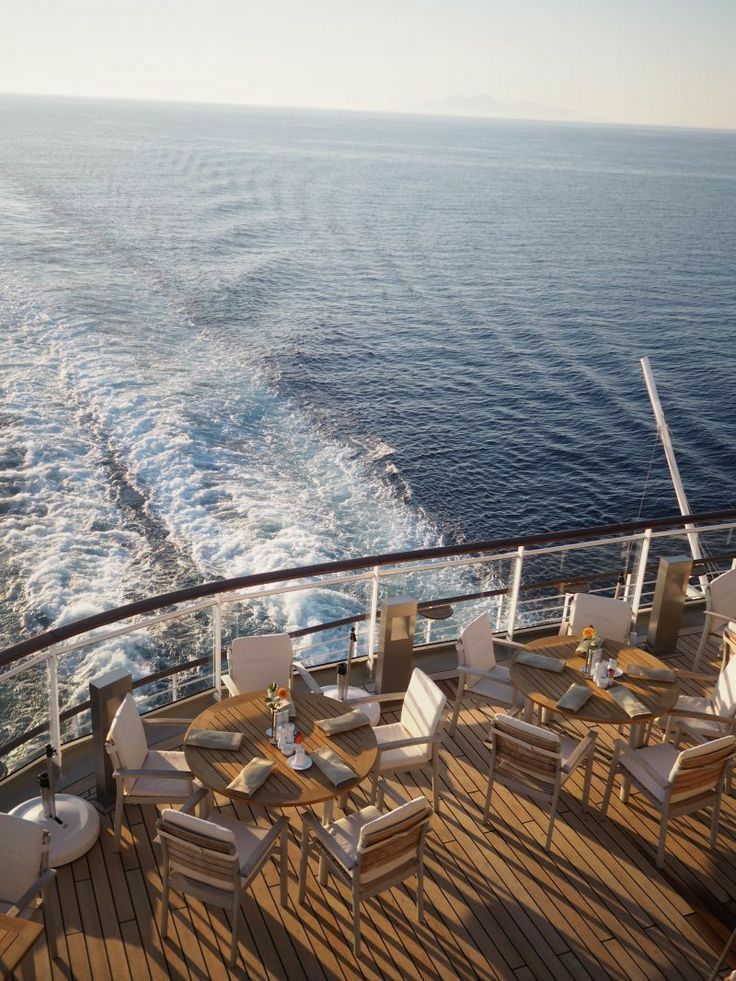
[(216, 860), (720, 608), (536, 762), (25, 877), (143, 775), (370, 851), (701, 717), (478, 673), (674, 782), (416, 739), (254, 662), (610, 617)]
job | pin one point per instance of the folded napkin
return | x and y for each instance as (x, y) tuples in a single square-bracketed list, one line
[(628, 701), (575, 697), (650, 673), (251, 776), (336, 771), (532, 660), (215, 739), (343, 723)]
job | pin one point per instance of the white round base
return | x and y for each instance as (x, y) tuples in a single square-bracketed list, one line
[(76, 834)]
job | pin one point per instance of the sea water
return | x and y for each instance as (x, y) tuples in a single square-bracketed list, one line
[(238, 339)]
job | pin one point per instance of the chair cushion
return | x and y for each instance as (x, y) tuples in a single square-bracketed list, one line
[(382, 831), (198, 826), (162, 788), (724, 696), (498, 689), (476, 643), (381, 827), (698, 727), (128, 736), (423, 706), (257, 661), (404, 758), (21, 843), (346, 833), (651, 766), (248, 840), (610, 617)]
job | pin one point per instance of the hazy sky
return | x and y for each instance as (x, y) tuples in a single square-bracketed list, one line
[(668, 62)]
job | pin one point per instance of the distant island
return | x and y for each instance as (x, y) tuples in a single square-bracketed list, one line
[(485, 106)]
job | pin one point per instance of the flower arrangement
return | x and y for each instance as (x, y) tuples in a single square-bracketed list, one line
[(275, 696), (589, 640)]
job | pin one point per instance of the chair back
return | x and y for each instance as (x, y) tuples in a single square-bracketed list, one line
[(698, 773), (126, 739), (24, 850), (525, 757), (475, 649), (724, 694), (423, 706), (721, 598), (198, 849), (390, 847), (610, 617), (257, 661)]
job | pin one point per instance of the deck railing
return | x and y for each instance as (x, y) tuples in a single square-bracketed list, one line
[(175, 643)]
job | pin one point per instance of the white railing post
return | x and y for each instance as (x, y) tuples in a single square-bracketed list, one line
[(641, 568), (52, 666), (217, 650), (514, 597), (373, 613)]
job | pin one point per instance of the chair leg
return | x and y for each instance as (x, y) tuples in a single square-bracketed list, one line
[(662, 841), (234, 940), (714, 822), (701, 645), (587, 781), (436, 780), (303, 861), (487, 808), (165, 898), (374, 788), (607, 792), (118, 820), (552, 816), (379, 796), (356, 920), (51, 923), (420, 894), (284, 867), (456, 707)]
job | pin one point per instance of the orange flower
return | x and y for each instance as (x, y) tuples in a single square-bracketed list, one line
[(589, 632), (283, 692)]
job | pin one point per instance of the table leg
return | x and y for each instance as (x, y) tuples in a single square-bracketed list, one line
[(328, 809), (528, 710), (636, 740)]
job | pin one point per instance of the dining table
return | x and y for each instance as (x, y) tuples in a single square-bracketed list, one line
[(284, 787), (543, 688)]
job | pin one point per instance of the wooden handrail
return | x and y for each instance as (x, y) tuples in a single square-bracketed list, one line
[(57, 635)]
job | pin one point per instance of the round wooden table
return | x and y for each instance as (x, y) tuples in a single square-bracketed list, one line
[(543, 688), (284, 787)]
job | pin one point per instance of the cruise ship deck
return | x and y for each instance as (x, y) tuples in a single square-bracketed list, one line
[(496, 904)]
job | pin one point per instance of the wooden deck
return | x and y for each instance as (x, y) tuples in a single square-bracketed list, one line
[(497, 905)]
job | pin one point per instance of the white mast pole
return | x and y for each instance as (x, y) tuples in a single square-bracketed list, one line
[(669, 452)]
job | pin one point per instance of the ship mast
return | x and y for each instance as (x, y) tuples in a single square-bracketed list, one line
[(669, 452)]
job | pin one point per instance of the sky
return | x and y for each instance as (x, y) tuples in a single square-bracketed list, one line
[(660, 62)]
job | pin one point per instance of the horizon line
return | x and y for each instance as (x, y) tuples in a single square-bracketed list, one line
[(146, 100)]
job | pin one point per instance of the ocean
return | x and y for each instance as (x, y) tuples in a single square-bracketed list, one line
[(237, 339)]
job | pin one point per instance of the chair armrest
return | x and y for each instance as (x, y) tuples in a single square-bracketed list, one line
[(307, 678), (228, 682), (166, 722), (416, 741), (509, 643), (32, 892), (582, 749), (462, 669), (719, 616), (310, 825), (391, 792), (397, 696), (695, 675), (705, 716), (197, 797), (158, 774)]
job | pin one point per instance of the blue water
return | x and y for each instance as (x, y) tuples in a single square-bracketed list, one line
[(236, 339)]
